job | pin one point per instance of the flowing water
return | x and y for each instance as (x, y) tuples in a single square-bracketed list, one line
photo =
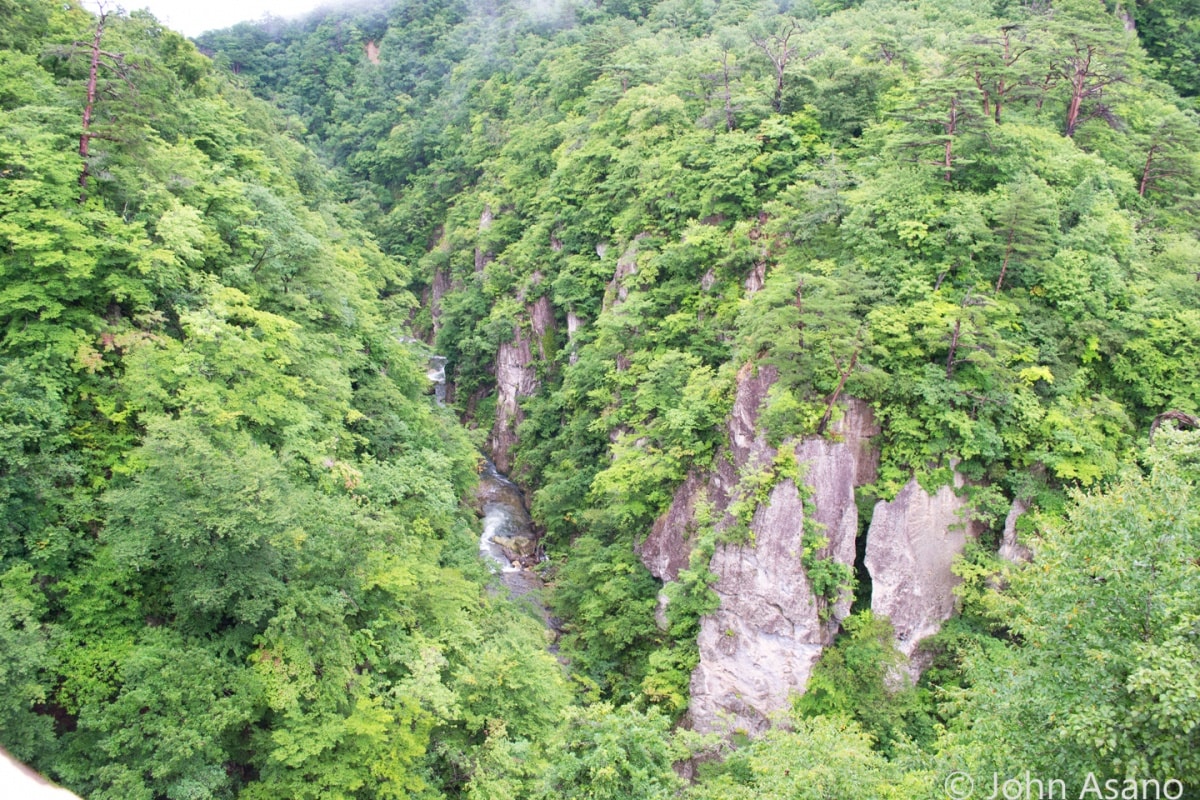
[(436, 372), (507, 529), (508, 541)]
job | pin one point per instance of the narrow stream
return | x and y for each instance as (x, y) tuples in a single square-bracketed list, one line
[(508, 541), (436, 372), (507, 529)]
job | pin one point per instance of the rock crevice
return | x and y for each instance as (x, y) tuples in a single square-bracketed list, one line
[(761, 643)]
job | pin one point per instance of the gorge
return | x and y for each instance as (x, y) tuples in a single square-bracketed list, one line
[(623, 400)]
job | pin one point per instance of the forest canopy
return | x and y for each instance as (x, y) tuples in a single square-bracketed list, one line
[(237, 555)]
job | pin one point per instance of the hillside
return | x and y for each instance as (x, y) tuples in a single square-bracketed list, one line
[(803, 327)]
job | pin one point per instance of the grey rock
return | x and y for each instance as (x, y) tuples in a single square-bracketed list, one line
[(1010, 548), (760, 645), (661, 620), (911, 545), (756, 278), (617, 290), (668, 547), (516, 378), (574, 322), (541, 320), (516, 372), (835, 468)]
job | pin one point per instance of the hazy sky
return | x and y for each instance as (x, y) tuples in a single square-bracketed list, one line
[(193, 17)]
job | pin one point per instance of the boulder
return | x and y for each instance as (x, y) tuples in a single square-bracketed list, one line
[(1010, 548)]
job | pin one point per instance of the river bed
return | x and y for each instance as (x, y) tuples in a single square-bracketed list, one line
[(508, 541)]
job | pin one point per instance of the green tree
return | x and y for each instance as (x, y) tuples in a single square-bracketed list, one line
[(611, 754), (1102, 621), (818, 758)]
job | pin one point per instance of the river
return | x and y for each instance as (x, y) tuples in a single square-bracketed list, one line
[(508, 540)]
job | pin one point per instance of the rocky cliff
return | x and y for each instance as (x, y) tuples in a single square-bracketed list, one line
[(516, 372), (911, 544), (516, 377), (761, 643), (1010, 548)]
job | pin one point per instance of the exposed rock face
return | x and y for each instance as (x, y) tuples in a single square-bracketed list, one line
[(516, 373), (666, 550), (910, 546), (515, 378), (617, 291), (441, 286), (756, 279), (836, 467), (573, 325), (761, 643), (1010, 548), (541, 319)]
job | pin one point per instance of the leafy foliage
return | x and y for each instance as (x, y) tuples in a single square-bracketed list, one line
[(217, 450)]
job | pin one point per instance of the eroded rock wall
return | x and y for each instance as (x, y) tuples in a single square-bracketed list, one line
[(834, 469), (517, 376), (760, 645), (911, 544), (1010, 548), (668, 547)]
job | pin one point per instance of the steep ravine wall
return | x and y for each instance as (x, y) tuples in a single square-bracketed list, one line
[(911, 544), (516, 378), (516, 374), (760, 645)]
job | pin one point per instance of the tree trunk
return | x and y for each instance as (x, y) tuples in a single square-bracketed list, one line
[(951, 130), (1008, 250), (730, 122), (953, 348), (800, 314), (1074, 106), (1145, 183), (842, 376), (85, 137)]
